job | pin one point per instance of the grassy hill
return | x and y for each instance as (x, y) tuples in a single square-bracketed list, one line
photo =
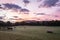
[(31, 33)]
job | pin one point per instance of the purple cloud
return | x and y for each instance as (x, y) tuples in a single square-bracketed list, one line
[(49, 3), (10, 6), (40, 14), (24, 10), (1, 17), (1, 6), (26, 1)]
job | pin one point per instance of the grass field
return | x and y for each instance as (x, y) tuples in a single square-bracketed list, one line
[(31, 33)]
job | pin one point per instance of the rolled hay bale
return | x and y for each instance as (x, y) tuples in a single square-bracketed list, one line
[(49, 31), (10, 28)]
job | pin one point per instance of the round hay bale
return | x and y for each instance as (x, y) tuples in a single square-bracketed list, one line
[(49, 31)]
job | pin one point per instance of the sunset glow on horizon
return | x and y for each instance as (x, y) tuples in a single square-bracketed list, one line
[(39, 10)]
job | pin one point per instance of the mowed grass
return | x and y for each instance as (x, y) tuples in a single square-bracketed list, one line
[(31, 33)]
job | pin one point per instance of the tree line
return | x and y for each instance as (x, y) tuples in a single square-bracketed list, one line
[(31, 23)]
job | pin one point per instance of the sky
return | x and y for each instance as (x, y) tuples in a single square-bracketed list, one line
[(21, 10)]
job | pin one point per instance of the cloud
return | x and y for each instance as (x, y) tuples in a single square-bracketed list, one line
[(49, 3), (1, 6), (11, 6), (40, 14), (1, 17), (26, 1), (24, 10)]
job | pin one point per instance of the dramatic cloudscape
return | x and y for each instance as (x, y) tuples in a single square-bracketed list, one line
[(21, 10)]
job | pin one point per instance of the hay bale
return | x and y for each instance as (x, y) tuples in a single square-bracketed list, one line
[(49, 31)]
